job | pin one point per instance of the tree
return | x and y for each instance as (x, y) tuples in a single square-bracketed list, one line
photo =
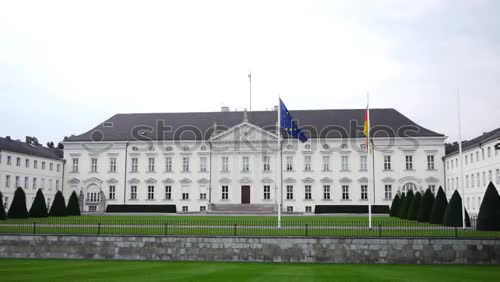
[(73, 207), (453, 213), (58, 207), (39, 207), (403, 213), (395, 206), (425, 209), (438, 207), (3, 216), (489, 212), (401, 201), (18, 207), (414, 205)]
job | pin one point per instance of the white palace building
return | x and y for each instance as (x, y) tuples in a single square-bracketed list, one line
[(228, 161)]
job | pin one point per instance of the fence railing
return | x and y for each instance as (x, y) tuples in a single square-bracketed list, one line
[(227, 226)]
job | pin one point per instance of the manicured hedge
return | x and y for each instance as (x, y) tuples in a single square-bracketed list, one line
[(489, 212), (425, 209), (73, 207), (403, 213), (18, 207), (3, 216), (453, 213), (58, 207), (39, 206), (414, 206), (438, 207), (395, 206)]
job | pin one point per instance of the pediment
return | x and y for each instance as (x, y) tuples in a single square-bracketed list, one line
[(267, 180), (185, 181), (431, 179), (388, 180), (326, 180), (150, 181), (134, 181), (289, 180), (203, 181), (245, 180), (225, 180), (363, 180), (245, 132), (92, 180), (112, 181), (345, 180), (73, 181), (168, 180), (410, 179), (308, 180)]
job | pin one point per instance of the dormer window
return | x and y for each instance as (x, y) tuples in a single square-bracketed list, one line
[(185, 148), (169, 148), (151, 148), (326, 147), (135, 148), (308, 147), (289, 147), (203, 148)]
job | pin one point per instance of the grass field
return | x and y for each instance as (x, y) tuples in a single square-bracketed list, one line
[(101, 270)]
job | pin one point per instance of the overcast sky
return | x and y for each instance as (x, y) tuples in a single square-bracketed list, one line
[(67, 66)]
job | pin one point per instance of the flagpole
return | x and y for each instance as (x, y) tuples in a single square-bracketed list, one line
[(461, 159), (279, 161), (250, 78), (368, 159)]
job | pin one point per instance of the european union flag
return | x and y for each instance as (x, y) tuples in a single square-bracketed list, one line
[(288, 124)]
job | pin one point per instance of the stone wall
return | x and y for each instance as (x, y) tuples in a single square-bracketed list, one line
[(369, 250)]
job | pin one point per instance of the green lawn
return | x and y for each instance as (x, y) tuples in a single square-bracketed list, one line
[(105, 270)]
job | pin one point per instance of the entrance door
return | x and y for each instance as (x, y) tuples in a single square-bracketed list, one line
[(245, 194)]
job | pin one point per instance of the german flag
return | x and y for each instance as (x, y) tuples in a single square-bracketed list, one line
[(367, 125)]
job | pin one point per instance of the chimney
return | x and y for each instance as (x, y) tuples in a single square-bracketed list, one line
[(28, 140), (276, 108), (7, 137), (224, 109)]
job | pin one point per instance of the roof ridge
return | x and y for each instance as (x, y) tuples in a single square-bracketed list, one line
[(261, 111)]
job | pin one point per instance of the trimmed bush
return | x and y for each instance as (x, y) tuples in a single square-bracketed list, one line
[(403, 213), (438, 207), (401, 201), (3, 216), (453, 213), (414, 206), (425, 209), (395, 206), (73, 207), (489, 212), (18, 207), (39, 207), (58, 207)]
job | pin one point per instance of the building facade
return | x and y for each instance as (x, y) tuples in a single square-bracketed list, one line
[(198, 161), (481, 161), (31, 167)]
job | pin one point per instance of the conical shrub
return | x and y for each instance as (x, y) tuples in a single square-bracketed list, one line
[(3, 215), (489, 212), (406, 205), (453, 213), (58, 207), (395, 206), (18, 207), (414, 205), (39, 206), (73, 207), (438, 207), (425, 209)]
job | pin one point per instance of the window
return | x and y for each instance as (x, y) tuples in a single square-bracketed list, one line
[(133, 192), (477, 156), (490, 176), (478, 180), (489, 152), (289, 209), (225, 164), (203, 196), (26, 182), (409, 186), (245, 164), (57, 185), (466, 159), (432, 188), (363, 160), (168, 164), (345, 192), (307, 163), (112, 190), (92, 208), (498, 175), (482, 154), (18, 161), (409, 162), (308, 194), (289, 192), (58, 167), (308, 209), (364, 192), (185, 196), (17, 182), (51, 166), (430, 162), (266, 160), (43, 165), (387, 162), (185, 164), (185, 208), (9, 160), (5, 204), (466, 181), (151, 192), (472, 180), (267, 192), (326, 163), (75, 165), (151, 164), (168, 192), (135, 164), (388, 192), (289, 163), (345, 163), (34, 182), (43, 183), (225, 192), (326, 192), (93, 165), (27, 163), (50, 184), (7, 181), (203, 208), (203, 164), (35, 164), (484, 178), (112, 164)]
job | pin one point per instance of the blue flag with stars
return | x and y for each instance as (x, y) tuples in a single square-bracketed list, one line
[(289, 125)]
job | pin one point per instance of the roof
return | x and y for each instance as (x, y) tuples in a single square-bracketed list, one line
[(7, 144), (466, 145), (200, 125)]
